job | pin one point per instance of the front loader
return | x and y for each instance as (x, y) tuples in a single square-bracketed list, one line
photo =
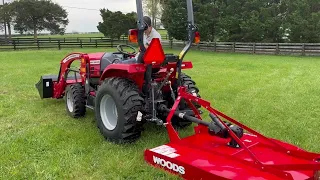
[(126, 92)]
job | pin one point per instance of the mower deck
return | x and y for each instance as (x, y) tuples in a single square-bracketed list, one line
[(207, 156), (202, 156)]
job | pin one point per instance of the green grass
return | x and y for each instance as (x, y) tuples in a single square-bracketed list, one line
[(277, 95)]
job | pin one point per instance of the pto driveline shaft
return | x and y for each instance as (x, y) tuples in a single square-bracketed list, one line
[(185, 116)]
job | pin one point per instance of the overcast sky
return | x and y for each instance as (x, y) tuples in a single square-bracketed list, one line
[(83, 20)]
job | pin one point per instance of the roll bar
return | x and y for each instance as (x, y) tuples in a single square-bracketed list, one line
[(142, 26)]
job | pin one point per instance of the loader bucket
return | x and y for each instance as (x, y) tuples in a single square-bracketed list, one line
[(206, 156), (45, 86)]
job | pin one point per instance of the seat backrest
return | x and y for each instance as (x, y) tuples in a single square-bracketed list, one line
[(107, 59)]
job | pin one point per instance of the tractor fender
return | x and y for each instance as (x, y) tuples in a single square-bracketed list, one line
[(187, 65), (134, 72)]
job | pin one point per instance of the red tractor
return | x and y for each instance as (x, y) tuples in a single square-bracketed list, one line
[(125, 94)]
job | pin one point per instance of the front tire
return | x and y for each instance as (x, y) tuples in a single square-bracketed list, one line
[(75, 100), (118, 104)]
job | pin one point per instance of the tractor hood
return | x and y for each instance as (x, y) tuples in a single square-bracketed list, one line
[(96, 56)]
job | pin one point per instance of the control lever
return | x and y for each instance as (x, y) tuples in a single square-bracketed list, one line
[(165, 80)]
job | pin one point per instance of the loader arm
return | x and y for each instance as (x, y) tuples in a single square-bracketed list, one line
[(62, 80)]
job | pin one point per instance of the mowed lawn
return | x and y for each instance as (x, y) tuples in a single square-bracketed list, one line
[(277, 95)]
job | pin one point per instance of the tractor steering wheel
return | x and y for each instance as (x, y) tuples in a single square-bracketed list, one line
[(120, 49)]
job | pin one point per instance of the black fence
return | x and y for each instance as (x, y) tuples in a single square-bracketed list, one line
[(60, 43), (305, 49)]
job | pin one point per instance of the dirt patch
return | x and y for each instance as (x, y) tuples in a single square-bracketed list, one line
[(3, 92)]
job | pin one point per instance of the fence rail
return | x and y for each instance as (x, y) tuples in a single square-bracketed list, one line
[(305, 49), (19, 44)]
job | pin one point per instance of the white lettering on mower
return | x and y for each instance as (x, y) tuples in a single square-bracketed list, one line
[(166, 151), (169, 165)]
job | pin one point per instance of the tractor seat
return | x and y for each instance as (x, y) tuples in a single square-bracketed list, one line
[(115, 58)]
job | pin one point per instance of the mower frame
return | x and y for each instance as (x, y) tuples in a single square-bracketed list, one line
[(202, 128)]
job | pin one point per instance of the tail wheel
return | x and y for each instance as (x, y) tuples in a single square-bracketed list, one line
[(75, 100), (187, 82), (118, 107)]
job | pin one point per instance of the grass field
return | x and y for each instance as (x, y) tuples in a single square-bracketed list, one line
[(278, 96)]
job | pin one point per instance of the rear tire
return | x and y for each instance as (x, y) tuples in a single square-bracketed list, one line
[(75, 100), (187, 82), (117, 106)]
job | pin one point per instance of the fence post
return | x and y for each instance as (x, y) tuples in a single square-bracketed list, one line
[(59, 45), (111, 43), (254, 48), (64, 39), (96, 43), (171, 43), (234, 47), (215, 46), (49, 39), (277, 48), (90, 39), (14, 44), (303, 49), (208, 43), (77, 39), (38, 44), (81, 43)]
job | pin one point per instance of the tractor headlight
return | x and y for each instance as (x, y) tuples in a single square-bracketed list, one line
[(316, 175)]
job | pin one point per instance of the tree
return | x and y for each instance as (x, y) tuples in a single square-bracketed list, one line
[(302, 19), (116, 23), (1, 27), (251, 21), (153, 9), (7, 14), (175, 18), (39, 15), (246, 21), (206, 14)]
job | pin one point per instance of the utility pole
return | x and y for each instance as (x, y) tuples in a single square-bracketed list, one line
[(4, 24)]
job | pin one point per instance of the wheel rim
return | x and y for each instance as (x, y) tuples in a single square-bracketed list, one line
[(108, 112), (70, 102)]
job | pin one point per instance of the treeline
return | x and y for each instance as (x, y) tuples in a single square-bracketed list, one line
[(246, 20), (32, 16)]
